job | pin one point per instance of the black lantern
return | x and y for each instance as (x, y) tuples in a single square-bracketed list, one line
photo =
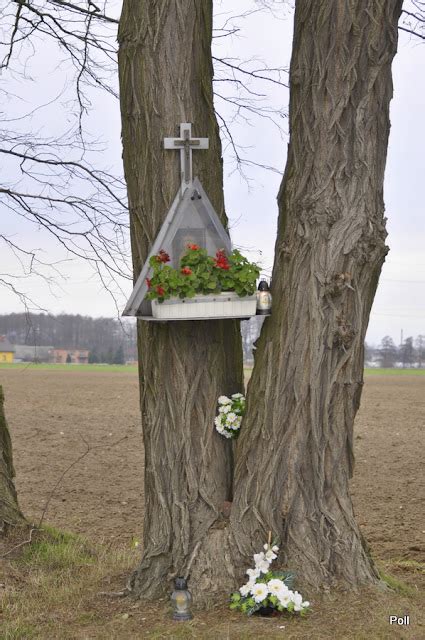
[(181, 599), (264, 299)]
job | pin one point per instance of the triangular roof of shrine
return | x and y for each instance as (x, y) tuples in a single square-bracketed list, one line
[(190, 213)]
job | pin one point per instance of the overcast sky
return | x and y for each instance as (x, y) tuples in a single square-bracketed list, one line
[(400, 300)]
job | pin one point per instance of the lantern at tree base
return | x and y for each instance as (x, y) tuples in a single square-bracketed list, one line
[(181, 599), (264, 299)]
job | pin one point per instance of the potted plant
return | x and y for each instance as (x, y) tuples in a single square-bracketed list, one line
[(203, 286)]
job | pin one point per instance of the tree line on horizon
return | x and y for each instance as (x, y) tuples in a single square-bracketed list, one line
[(114, 341), (410, 353), (108, 340)]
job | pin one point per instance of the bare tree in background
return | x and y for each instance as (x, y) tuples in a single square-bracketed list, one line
[(51, 182), (58, 184)]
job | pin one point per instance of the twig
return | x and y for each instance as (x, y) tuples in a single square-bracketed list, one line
[(115, 594), (21, 544), (192, 557), (81, 457)]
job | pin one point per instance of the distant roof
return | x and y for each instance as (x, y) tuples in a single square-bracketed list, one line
[(5, 345), (31, 351)]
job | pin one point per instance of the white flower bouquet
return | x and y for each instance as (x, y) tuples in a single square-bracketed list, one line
[(230, 412), (268, 590)]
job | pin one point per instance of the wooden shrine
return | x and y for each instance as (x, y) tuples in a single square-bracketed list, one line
[(191, 219)]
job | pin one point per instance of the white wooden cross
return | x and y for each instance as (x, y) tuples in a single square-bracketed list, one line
[(186, 143)]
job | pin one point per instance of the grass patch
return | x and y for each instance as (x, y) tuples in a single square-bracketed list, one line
[(409, 566), (31, 366), (395, 372), (51, 588), (19, 632), (397, 585), (55, 550), (124, 368)]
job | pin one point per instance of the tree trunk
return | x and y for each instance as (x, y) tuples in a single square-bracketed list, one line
[(10, 514), (295, 453), (166, 73)]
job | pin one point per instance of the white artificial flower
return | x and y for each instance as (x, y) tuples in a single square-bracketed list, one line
[(276, 586), (296, 599), (224, 400), (259, 592), (259, 557), (231, 417), (253, 574), (284, 599), (235, 396), (270, 556), (217, 421), (224, 409), (265, 547), (245, 589), (220, 428), (305, 604), (275, 548), (263, 566)]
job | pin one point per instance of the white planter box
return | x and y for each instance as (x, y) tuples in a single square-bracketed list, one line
[(217, 305)]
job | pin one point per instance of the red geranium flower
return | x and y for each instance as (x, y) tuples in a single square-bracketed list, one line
[(148, 282), (194, 247), (163, 256), (220, 261), (160, 291), (186, 271)]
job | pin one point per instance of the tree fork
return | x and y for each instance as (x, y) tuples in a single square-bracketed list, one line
[(295, 452), (165, 71)]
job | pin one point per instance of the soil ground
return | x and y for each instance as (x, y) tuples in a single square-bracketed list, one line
[(57, 417)]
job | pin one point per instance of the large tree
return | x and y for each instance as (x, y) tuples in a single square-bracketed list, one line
[(165, 78), (295, 454)]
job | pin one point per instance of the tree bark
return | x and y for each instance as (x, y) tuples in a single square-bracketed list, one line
[(165, 71), (10, 514), (295, 453)]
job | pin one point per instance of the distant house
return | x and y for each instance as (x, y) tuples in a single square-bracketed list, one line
[(7, 351), (33, 353), (75, 356)]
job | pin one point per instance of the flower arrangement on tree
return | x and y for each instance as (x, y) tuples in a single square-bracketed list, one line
[(268, 589), (230, 412), (200, 273)]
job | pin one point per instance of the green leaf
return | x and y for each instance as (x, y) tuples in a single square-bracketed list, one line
[(255, 608)]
